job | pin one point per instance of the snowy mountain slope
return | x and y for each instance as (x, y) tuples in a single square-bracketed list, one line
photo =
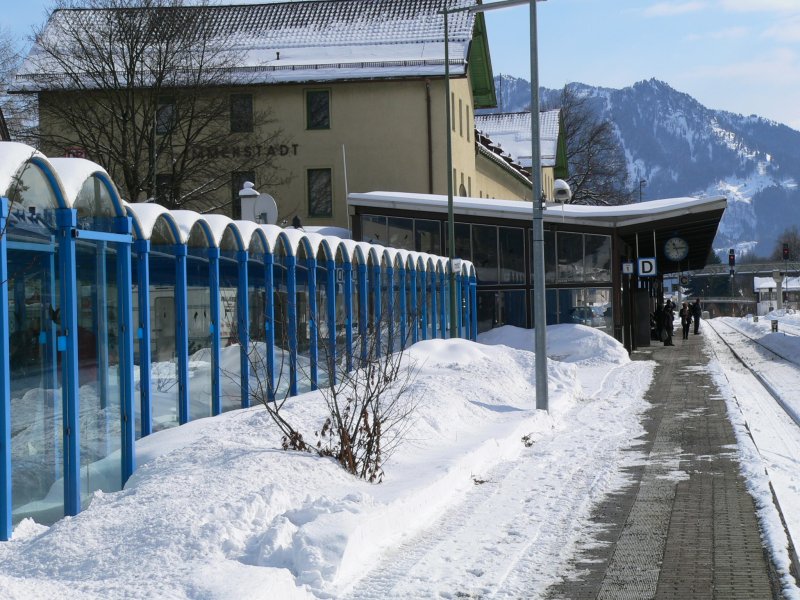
[(680, 147)]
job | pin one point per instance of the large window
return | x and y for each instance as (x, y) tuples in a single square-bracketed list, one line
[(237, 183), (512, 255), (427, 236), (318, 109), (484, 252), (165, 115), (320, 193), (597, 262), (401, 233), (570, 256), (241, 113), (373, 229)]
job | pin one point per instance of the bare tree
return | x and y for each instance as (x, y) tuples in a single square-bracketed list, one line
[(17, 118), (598, 173), (150, 89), (369, 407)]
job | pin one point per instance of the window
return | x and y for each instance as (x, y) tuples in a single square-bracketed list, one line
[(570, 256), (401, 233), (597, 261), (318, 109), (427, 236), (237, 183), (484, 253), (166, 192), (373, 229), (165, 115), (512, 255), (468, 122), (460, 117), (320, 193), (241, 113), (453, 110)]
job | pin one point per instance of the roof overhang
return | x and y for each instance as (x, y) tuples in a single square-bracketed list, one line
[(480, 66), (645, 226)]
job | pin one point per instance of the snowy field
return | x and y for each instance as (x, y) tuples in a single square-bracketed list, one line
[(486, 496)]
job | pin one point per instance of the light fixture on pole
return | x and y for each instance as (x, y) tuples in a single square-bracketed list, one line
[(540, 314)]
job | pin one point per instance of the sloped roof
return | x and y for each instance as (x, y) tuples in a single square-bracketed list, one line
[(313, 40), (512, 133)]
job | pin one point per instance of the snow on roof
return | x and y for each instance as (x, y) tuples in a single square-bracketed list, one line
[(766, 283), (73, 173), (512, 132), (218, 224), (627, 214), (13, 156), (313, 40)]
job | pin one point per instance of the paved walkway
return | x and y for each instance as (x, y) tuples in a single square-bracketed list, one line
[(686, 527)]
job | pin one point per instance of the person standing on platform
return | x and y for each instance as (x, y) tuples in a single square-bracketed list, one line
[(696, 310), (669, 317), (686, 319)]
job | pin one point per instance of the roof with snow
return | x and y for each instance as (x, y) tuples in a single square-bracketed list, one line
[(511, 132), (644, 225), (304, 41), (761, 284)]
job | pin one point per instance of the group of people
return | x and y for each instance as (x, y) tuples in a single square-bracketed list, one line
[(663, 320)]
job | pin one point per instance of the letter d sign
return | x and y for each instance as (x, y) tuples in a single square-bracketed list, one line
[(647, 267)]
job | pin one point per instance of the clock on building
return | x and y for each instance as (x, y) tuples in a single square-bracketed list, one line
[(676, 249)]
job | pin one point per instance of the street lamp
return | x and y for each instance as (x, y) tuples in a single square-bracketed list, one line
[(642, 183), (539, 297)]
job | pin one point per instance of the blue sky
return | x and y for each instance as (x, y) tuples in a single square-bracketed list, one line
[(737, 55)]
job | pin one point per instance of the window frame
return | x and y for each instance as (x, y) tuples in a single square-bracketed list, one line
[(317, 215), (309, 125), (237, 123)]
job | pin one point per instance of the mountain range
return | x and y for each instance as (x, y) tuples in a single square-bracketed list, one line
[(681, 148)]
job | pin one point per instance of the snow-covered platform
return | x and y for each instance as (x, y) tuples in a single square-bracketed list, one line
[(686, 526)]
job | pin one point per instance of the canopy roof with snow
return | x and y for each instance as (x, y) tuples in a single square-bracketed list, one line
[(645, 225), (304, 41)]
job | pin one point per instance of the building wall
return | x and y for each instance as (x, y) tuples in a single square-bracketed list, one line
[(390, 134)]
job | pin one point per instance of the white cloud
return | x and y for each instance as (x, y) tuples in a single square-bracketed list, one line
[(788, 31), (731, 33), (669, 9), (778, 68), (761, 6)]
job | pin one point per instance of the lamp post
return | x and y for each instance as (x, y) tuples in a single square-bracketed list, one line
[(642, 183), (539, 297)]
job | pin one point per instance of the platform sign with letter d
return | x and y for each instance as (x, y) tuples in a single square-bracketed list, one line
[(647, 267)]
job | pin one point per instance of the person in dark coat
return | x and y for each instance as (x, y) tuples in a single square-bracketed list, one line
[(658, 321), (696, 310), (686, 319), (669, 317)]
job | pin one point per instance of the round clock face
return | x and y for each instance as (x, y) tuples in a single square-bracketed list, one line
[(676, 249)]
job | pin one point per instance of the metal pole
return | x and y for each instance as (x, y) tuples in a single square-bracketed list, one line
[(539, 297), (451, 242)]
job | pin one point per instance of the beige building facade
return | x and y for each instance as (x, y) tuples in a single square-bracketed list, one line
[(355, 126)]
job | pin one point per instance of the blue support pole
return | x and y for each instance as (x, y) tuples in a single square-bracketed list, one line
[(403, 309), (269, 322), (443, 286), (142, 248), (243, 306), (376, 298), (216, 327), (464, 310), (182, 332), (459, 306), (390, 307), (363, 303), (330, 288), (423, 288), (125, 336), (51, 378), (291, 289), (5, 384), (348, 313), (100, 316), (313, 348), (414, 307), (434, 303), (473, 297), (66, 219)]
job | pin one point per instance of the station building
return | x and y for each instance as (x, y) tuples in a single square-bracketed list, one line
[(358, 89), (585, 250)]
